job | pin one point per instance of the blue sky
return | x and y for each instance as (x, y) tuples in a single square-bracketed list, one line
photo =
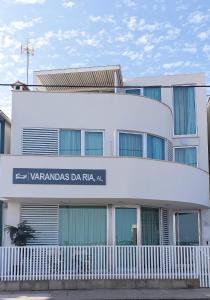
[(146, 37)]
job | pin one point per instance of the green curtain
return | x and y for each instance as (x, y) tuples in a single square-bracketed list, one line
[(153, 92), (130, 144), (155, 147), (186, 156), (133, 91), (184, 110), (82, 226), (125, 226), (70, 142), (93, 143), (150, 226)]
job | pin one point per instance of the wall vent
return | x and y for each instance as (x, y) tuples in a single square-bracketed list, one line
[(40, 141), (44, 220)]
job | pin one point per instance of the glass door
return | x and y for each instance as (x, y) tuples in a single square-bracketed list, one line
[(150, 232), (125, 226), (187, 228)]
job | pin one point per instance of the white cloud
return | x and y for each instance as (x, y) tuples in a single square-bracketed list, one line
[(148, 48), (94, 42), (19, 25), (124, 37), (43, 40), (197, 18), (173, 33), (9, 42), (29, 1), (144, 39), (130, 3), (132, 23), (206, 50), (180, 63), (133, 55), (68, 4), (189, 48), (2, 56), (104, 19), (16, 58), (95, 18), (203, 35), (173, 65)]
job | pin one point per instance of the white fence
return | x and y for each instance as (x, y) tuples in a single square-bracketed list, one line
[(105, 262)]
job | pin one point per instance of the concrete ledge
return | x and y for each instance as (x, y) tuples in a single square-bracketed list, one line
[(45, 285)]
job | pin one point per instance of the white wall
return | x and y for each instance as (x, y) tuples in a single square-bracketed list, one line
[(11, 217), (7, 136), (128, 179), (109, 112), (200, 139)]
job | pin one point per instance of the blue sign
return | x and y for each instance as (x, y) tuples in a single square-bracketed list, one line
[(59, 176)]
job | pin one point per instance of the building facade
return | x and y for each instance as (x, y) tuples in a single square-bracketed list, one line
[(98, 159), (5, 129)]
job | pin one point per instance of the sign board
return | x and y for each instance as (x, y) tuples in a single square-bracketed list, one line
[(59, 176)]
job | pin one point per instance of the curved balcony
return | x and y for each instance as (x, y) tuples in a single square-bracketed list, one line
[(132, 180), (90, 111)]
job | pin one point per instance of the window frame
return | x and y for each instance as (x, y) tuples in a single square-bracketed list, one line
[(165, 147), (174, 224), (159, 223), (82, 141), (196, 124), (144, 144), (88, 205), (138, 222), (131, 132), (83, 132), (140, 91), (158, 86), (184, 147)]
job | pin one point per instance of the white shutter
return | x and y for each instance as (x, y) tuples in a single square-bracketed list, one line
[(44, 220), (40, 141), (164, 227), (170, 151)]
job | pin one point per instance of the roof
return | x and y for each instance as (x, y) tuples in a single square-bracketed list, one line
[(19, 83), (79, 79), (4, 117)]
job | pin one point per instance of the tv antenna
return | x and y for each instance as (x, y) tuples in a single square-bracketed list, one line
[(28, 50)]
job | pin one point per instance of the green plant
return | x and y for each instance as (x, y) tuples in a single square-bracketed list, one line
[(21, 234)]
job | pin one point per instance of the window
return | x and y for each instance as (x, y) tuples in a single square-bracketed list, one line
[(150, 226), (93, 143), (186, 156), (184, 110), (2, 127), (187, 228), (130, 144), (1, 223), (82, 225), (81, 142), (155, 147), (70, 142), (125, 226), (133, 91), (153, 92)]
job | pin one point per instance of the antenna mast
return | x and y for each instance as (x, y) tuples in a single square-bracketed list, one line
[(28, 50)]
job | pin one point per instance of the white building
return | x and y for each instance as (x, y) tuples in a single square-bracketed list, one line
[(5, 128), (109, 166)]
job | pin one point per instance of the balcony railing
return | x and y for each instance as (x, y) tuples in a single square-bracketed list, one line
[(105, 262)]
